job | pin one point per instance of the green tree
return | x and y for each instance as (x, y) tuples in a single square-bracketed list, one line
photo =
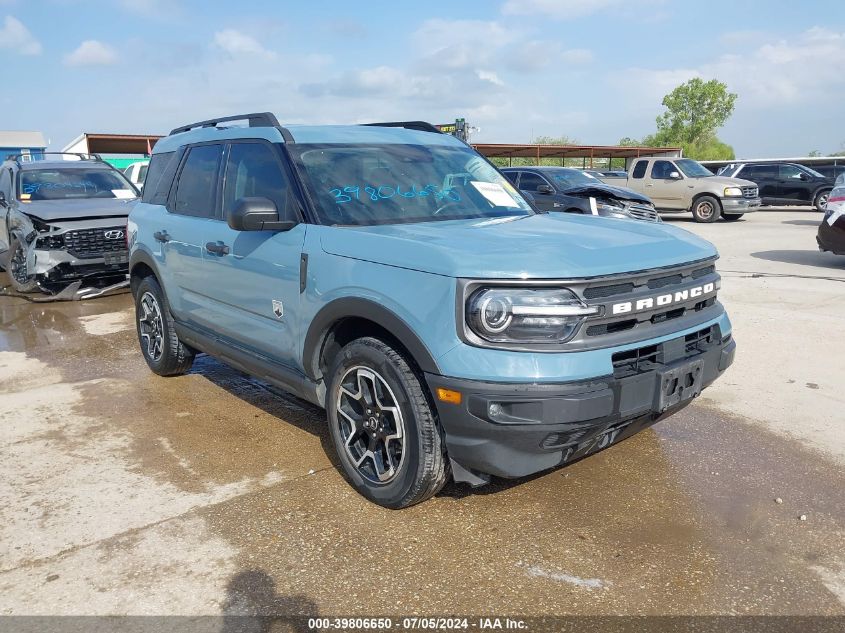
[(814, 152), (694, 111)]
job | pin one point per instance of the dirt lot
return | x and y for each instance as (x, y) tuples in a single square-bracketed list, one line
[(125, 493)]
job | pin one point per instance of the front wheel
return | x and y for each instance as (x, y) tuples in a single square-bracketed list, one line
[(732, 217), (706, 209), (165, 354), (383, 427), (16, 265), (820, 201)]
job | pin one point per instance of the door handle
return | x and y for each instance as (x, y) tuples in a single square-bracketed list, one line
[(649, 185), (161, 236), (218, 248)]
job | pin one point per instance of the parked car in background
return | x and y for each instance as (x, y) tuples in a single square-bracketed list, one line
[(831, 234), (677, 185), (63, 220), (840, 180), (390, 274), (574, 191), (785, 183), (136, 173)]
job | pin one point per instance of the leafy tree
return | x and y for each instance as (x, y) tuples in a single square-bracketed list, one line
[(627, 141), (814, 152), (694, 111)]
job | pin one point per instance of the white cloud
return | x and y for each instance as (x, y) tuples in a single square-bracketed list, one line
[(91, 53), (560, 9), (576, 56), (149, 8), (488, 75), (16, 37), (461, 43), (238, 43)]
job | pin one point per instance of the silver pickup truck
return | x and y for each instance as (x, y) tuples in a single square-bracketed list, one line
[(678, 185)]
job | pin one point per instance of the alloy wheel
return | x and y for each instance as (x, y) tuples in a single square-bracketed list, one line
[(371, 425), (151, 326), (705, 209), (17, 266)]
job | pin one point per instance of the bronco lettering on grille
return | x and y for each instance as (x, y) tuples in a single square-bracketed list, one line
[(649, 303)]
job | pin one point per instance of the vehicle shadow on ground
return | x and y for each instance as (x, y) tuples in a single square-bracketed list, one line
[(815, 259), (254, 606), (802, 222)]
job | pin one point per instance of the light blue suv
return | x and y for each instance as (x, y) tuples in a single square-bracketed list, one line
[(393, 276)]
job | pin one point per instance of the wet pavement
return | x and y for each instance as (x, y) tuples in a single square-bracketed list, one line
[(125, 493)]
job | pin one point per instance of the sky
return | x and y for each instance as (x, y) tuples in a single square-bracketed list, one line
[(592, 70)]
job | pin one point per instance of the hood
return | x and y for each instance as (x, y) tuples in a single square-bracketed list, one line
[(77, 208), (598, 190), (542, 246), (730, 182)]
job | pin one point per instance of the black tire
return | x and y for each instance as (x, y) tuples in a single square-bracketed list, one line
[(732, 217), (15, 265), (706, 209), (820, 201), (373, 391), (170, 357)]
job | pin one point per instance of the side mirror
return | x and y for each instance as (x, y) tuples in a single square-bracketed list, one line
[(674, 175), (545, 189), (803, 176), (258, 214)]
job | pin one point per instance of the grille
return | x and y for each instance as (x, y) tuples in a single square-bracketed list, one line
[(701, 272), (599, 292), (649, 358), (91, 243), (642, 213), (749, 192), (661, 282)]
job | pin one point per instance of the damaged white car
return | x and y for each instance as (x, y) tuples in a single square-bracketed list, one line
[(63, 224)]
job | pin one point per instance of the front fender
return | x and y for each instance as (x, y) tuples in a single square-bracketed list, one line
[(345, 307)]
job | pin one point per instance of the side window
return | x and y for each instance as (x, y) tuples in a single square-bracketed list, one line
[(639, 169), (762, 172), (6, 183), (530, 181), (253, 171), (196, 189), (790, 171), (511, 175), (160, 174), (662, 169), (142, 173)]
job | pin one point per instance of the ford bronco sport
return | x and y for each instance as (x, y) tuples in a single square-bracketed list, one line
[(393, 276)]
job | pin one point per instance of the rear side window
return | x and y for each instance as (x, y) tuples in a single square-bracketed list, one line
[(160, 173), (759, 172), (639, 169), (253, 171), (195, 191)]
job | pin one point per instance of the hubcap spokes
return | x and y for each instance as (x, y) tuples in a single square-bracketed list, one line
[(370, 424), (150, 326)]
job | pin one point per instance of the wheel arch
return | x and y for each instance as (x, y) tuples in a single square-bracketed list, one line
[(141, 265), (348, 318)]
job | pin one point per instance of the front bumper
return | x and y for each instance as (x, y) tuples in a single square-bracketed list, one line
[(740, 205), (516, 429), (832, 237)]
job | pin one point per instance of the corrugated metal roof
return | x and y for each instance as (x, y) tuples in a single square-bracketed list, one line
[(34, 140)]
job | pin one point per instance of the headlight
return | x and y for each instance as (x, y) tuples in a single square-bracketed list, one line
[(525, 315), (733, 191)]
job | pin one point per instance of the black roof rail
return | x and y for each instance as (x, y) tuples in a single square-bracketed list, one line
[(422, 126), (256, 119), (38, 156)]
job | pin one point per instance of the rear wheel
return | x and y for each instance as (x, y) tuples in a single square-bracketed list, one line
[(23, 280), (706, 209), (383, 427), (732, 217), (820, 201), (165, 354)]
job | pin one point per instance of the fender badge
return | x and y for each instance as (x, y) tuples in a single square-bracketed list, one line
[(278, 309)]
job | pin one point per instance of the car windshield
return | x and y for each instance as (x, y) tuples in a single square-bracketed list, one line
[(360, 184), (76, 182), (692, 168), (568, 178)]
